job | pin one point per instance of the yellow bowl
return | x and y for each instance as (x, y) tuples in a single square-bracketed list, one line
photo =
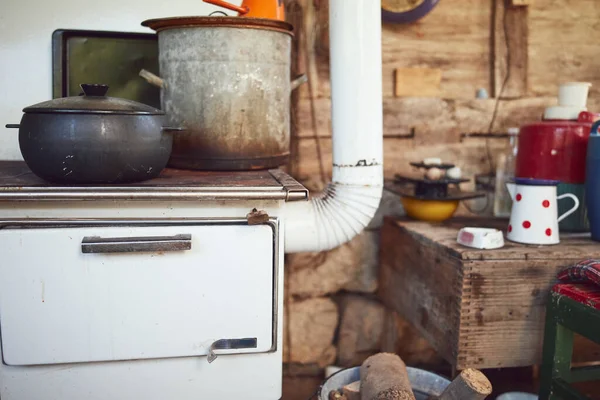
[(429, 210)]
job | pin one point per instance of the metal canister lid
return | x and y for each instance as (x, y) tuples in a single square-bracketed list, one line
[(93, 101)]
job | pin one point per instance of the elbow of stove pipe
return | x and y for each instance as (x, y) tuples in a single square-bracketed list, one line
[(333, 217)]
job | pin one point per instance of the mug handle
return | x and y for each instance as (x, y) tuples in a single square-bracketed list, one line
[(572, 210)]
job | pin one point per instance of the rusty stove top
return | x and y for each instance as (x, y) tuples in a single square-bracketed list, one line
[(18, 183)]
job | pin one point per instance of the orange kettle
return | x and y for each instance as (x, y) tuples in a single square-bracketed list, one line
[(271, 9)]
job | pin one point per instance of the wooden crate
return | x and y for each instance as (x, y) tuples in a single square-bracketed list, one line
[(478, 308)]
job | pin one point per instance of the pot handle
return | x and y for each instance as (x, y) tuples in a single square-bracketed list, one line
[(13, 126), (572, 210), (299, 80), (242, 10), (152, 79)]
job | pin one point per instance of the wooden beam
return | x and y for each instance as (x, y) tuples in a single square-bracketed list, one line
[(436, 120), (510, 50), (295, 16), (471, 156)]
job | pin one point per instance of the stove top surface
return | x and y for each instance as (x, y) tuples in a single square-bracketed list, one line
[(17, 182)]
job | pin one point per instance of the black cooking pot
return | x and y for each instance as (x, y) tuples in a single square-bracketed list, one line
[(94, 139)]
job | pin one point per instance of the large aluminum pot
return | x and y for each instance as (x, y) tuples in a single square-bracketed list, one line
[(227, 81), (94, 139)]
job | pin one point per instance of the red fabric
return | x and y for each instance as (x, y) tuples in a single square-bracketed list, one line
[(584, 293), (584, 271)]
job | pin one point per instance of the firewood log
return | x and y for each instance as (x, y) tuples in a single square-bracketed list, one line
[(471, 384), (384, 377)]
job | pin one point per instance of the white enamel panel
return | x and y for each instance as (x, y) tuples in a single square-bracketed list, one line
[(58, 305)]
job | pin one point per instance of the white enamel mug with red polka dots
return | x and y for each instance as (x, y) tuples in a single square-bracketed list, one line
[(534, 217)]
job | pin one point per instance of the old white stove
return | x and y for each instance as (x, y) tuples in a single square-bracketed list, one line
[(126, 292)]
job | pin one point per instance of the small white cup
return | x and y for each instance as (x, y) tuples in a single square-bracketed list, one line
[(574, 94)]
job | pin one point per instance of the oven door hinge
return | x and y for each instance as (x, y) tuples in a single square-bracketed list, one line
[(256, 217)]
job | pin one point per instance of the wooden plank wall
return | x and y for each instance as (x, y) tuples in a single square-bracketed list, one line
[(459, 48), (466, 44), (464, 39)]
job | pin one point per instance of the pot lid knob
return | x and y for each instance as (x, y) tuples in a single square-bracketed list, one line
[(94, 89)]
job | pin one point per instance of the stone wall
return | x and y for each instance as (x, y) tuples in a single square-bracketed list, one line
[(332, 314)]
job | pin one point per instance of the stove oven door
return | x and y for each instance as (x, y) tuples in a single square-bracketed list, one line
[(103, 293)]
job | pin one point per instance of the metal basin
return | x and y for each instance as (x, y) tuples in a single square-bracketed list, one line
[(424, 383), (517, 396)]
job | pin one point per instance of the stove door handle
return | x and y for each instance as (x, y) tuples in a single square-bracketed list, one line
[(230, 344), (98, 245)]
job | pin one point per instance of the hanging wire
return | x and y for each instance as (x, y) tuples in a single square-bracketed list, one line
[(496, 107), (504, 83), (309, 58), (295, 15)]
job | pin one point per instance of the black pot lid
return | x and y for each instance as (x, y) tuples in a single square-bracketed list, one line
[(93, 101), (405, 189)]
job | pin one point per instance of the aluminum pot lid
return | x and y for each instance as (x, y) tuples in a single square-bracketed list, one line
[(93, 101)]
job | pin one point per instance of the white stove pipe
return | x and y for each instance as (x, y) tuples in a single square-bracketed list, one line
[(350, 201)]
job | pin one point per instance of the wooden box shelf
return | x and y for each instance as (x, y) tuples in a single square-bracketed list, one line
[(478, 308)]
